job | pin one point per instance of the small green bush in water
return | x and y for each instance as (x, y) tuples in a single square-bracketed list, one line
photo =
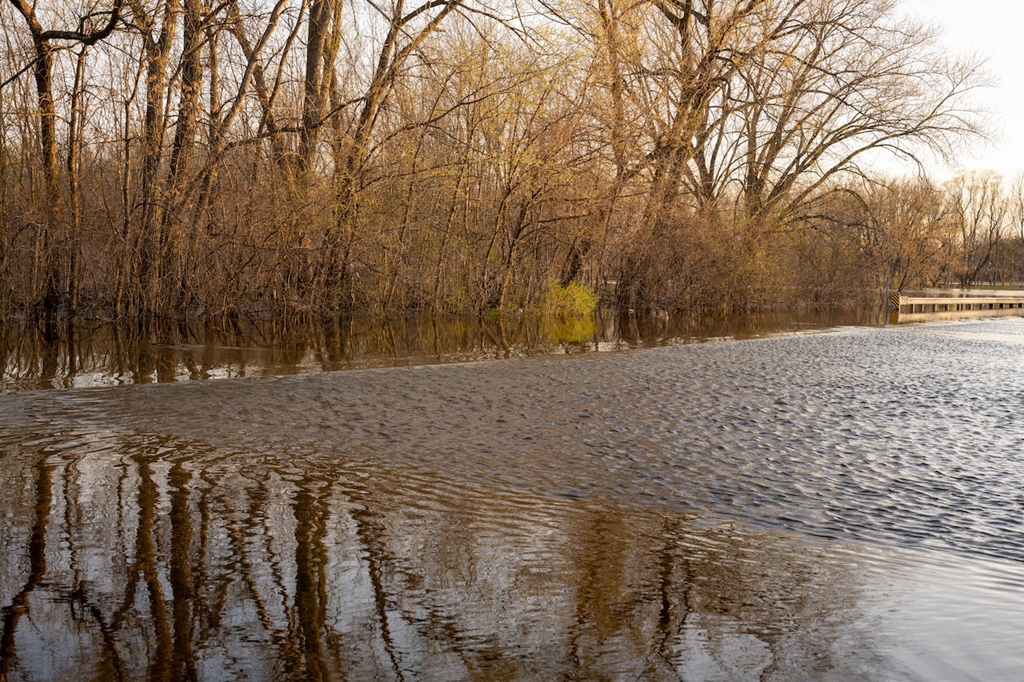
[(572, 299)]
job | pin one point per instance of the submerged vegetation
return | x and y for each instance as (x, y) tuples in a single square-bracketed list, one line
[(315, 156)]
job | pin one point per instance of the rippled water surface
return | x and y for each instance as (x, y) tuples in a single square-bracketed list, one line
[(831, 506)]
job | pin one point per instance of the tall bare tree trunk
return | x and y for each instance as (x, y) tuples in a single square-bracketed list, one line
[(171, 228), (158, 51), (314, 97), (42, 71), (74, 184)]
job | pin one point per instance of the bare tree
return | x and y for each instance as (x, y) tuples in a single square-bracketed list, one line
[(900, 228), (836, 81), (1016, 208), (89, 30), (315, 94), (978, 212), (322, 155), (158, 40), (407, 29)]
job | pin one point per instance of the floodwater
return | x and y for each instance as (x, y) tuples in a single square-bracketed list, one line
[(90, 354), (838, 505)]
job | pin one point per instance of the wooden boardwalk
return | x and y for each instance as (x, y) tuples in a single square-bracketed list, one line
[(903, 309)]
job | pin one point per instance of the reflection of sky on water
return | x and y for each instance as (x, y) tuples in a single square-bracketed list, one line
[(729, 511)]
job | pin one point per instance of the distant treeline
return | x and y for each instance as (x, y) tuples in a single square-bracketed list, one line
[(185, 156)]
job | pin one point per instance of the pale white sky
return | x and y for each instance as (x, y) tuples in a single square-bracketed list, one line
[(993, 29)]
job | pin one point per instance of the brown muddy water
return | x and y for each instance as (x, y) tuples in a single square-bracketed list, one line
[(842, 505), (89, 354)]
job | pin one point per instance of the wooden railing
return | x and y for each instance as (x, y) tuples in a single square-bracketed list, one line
[(922, 308)]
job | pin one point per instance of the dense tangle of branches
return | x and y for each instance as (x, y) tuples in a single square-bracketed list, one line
[(190, 156)]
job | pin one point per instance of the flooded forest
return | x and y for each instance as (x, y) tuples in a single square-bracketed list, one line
[(625, 391), (840, 505), (189, 157)]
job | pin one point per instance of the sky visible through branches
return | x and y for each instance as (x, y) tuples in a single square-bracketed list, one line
[(990, 28)]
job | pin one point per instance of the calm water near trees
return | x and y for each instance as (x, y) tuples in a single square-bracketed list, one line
[(843, 504), (89, 354)]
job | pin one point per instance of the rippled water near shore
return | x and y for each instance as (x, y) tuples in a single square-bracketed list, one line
[(834, 506)]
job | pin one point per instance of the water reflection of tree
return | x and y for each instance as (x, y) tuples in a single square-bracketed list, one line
[(68, 352), (19, 606), (300, 565), (311, 517)]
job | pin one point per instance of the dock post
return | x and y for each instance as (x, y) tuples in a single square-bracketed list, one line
[(894, 307)]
